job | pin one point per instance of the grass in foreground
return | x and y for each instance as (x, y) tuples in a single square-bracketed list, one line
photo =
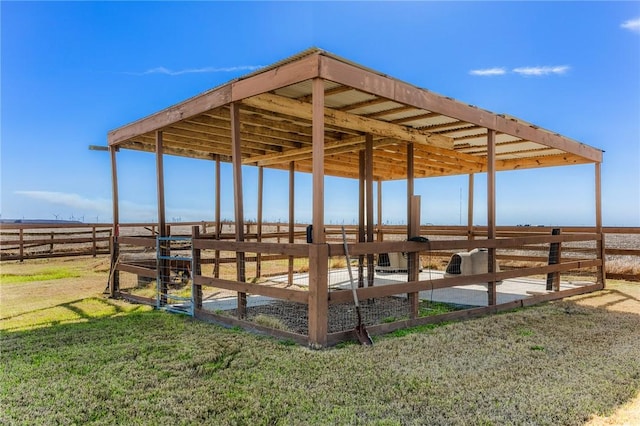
[(555, 364), (94, 360)]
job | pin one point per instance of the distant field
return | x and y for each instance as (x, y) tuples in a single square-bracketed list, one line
[(71, 356)]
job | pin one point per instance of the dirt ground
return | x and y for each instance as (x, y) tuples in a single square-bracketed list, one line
[(18, 298)]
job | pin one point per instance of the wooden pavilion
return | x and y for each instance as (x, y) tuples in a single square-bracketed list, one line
[(319, 113)]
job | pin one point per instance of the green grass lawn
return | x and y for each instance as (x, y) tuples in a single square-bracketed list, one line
[(555, 364)]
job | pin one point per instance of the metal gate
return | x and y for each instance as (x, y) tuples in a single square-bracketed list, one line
[(175, 289)]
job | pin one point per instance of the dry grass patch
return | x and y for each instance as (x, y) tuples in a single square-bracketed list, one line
[(624, 265)]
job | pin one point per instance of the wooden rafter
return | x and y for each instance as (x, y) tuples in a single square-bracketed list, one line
[(345, 120), (205, 123), (363, 104), (422, 116), (391, 111)]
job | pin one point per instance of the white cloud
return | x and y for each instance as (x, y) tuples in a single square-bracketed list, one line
[(69, 200), (539, 71), (488, 72), (631, 25), (526, 71), (166, 71)]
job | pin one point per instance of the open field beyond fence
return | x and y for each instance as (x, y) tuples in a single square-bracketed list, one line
[(71, 356), (29, 241)]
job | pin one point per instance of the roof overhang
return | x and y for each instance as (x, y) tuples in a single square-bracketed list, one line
[(448, 136)]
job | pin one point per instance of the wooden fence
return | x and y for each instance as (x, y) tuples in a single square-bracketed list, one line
[(22, 241)]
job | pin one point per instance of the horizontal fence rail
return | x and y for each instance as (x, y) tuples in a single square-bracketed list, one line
[(23, 241), (38, 241)]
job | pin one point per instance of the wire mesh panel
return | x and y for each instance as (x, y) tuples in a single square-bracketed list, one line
[(279, 315), (175, 266)]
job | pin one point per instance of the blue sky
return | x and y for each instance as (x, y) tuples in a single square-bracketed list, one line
[(70, 72)]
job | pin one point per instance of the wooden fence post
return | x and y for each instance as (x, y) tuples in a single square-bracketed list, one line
[(413, 258), (197, 269), (95, 248), (21, 244), (114, 275), (318, 294), (553, 278)]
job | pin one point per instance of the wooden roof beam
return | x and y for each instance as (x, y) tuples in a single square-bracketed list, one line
[(256, 118), (248, 134), (431, 160), (544, 161), (331, 148), (345, 120), (330, 131), (262, 143), (289, 139), (147, 147)]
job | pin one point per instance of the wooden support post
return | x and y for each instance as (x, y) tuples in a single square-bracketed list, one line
[(291, 218), (318, 250), (162, 265), (114, 274), (470, 235), (413, 259), (317, 136), (491, 212), (318, 294), (53, 236), (236, 154), (411, 232), (380, 234), (93, 239), (196, 270), (553, 278), (216, 265), (410, 179), (21, 244), (600, 245), (259, 225), (361, 213), (369, 199)]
